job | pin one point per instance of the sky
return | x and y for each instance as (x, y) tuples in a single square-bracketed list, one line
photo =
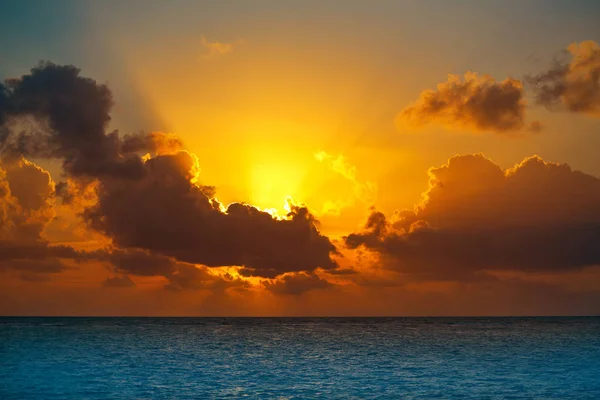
[(270, 158)]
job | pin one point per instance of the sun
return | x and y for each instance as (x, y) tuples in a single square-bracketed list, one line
[(272, 183)]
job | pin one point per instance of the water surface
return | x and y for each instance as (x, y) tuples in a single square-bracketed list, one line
[(294, 358)]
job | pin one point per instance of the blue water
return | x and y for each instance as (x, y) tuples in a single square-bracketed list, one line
[(292, 358)]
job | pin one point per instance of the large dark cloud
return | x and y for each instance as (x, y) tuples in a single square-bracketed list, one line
[(167, 213), (153, 204), (537, 216), (478, 103), (71, 115), (573, 83)]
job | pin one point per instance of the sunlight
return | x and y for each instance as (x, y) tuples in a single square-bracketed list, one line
[(272, 184)]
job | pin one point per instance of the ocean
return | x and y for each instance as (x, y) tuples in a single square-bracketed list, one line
[(300, 358)]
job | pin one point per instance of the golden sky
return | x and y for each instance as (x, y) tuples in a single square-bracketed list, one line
[(286, 159)]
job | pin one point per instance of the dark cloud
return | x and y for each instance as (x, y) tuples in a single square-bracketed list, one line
[(72, 114), (153, 142), (37, 251), (181, 275), (38, 256), (3, 104), (341, 271), (192, 277), (140, 202), (477, 103), (45, 266), (537, 216), (76, 111), (573, 82), (297, 283), (166, 213), (141, 263)]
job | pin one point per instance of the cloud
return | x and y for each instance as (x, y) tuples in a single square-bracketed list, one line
[(297, 283), (216, 49), (180, 275), (342, 271), (26, 208), (572, 84), (478, 103), (167, 213), (155, 142), (365, 192), (37, 256), (534, 217), (55, 113), (73, 113), (149, 202), (26, 199)]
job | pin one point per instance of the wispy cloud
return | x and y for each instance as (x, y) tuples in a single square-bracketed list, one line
[(572, 83), (365, 192), (214, 49)]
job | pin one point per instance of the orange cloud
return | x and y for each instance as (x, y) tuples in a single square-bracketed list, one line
[(477, 103), (536, 216), (26, 199)]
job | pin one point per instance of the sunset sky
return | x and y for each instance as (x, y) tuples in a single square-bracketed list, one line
[(299, 158)]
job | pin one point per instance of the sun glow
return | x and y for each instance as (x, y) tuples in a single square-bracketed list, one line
[(272, 184)]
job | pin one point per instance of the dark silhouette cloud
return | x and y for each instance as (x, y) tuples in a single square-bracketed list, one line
[(573, 82), (150, 203), (166, 213), (180, 275), (38, 256), (537, 216), (478, 103), (3, 104), (71, 115), (297, 283), (141, 263), (341, 271), (74, 112)]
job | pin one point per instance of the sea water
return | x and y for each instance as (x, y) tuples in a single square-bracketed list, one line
[(300, 358)]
